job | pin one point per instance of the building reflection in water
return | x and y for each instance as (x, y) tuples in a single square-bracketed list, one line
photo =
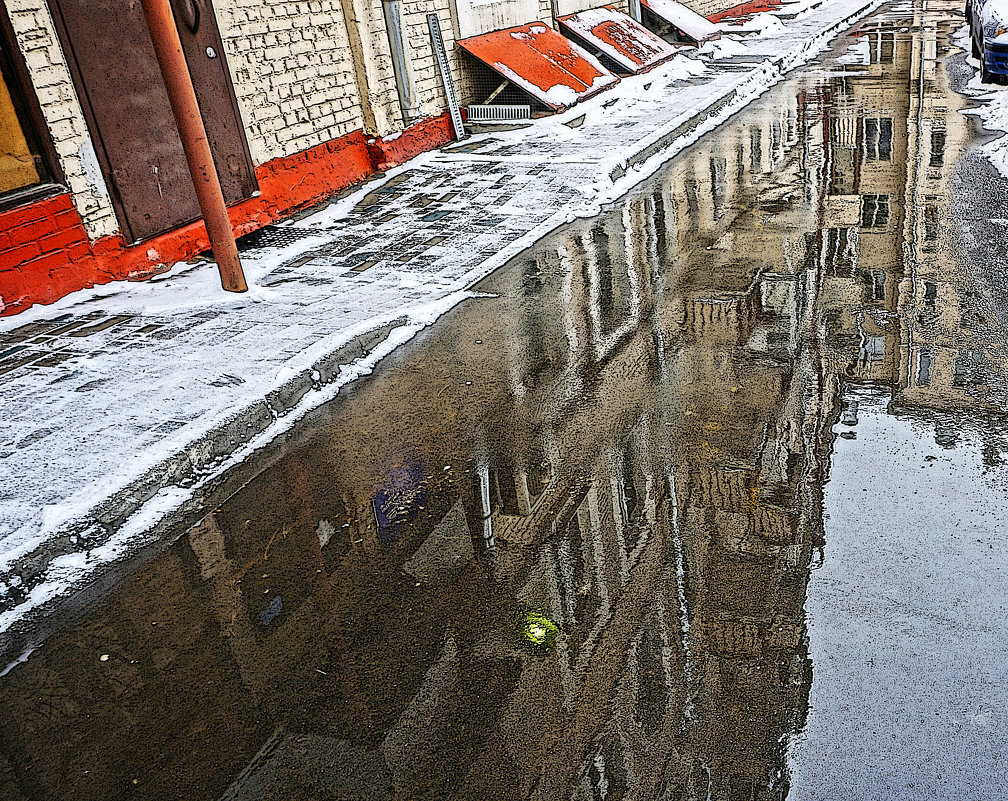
[(635, 447)]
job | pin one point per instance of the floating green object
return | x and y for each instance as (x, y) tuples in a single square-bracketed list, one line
[(538, 630)]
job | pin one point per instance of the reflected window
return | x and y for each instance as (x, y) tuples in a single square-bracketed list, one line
[(877, 138), (580, 599), (606, 777), (634, 514), (661, 233), (843, 172), (692, 188), (719, 185), (755, 149), (503, 492), (874, 211), (603, 259), (514, 492), (842, 129), (937, 147), (839, 250), (613, 281), (652, 691), (873, 349), (930, 292), (924, 369), (967, 371), (791, 122), (931, 222), (883, 47), (849, 412), (876, 283)]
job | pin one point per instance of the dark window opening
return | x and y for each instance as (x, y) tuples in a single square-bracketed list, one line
[(924, 369), (692, 187), (884, 48), (878, 138), (719, 185), (26, 157), (937, 147), (874, 211), (661, 233), (930, 222), (755, 149), (842, 179), (839, 250), (876, 283)]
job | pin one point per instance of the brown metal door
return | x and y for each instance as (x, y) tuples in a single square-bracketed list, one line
[(120, 86)]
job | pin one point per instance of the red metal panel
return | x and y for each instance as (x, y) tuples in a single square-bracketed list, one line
[(545, 64), (683, 19), (619, 37)]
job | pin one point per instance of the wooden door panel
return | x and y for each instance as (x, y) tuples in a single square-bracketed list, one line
[(131, 123)]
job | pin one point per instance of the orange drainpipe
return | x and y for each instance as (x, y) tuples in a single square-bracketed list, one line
[(182, 96)]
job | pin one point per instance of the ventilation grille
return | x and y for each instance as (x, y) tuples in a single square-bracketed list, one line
[(492, 113)]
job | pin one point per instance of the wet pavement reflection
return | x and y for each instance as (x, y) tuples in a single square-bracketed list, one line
[(565, 545)]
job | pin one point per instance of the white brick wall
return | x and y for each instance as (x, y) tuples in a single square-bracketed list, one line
[(708, 7), (293, 73), (36, 36)]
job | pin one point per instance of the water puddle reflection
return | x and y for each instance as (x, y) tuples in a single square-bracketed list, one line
[(562, 547)]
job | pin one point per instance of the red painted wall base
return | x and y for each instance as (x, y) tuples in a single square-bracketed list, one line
[(45, 252)]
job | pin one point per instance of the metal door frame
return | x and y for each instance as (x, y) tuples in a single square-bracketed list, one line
[(96, 138), (54, 182)]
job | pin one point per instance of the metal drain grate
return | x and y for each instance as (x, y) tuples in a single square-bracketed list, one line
[(492, 113), (274, 236)]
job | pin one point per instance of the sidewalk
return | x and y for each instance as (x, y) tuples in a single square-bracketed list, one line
[(118, 403)]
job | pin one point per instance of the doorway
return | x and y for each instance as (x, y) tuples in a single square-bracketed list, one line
[(126, 107)]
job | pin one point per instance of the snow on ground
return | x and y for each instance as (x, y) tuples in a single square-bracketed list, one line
[(74, 435), (765, 23), (727, 46), (994, 109), (65, 571)]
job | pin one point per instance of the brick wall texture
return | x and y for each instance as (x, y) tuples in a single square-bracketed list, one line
[(293, 73), (305, 72)]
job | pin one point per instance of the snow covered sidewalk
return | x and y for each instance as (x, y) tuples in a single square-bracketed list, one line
[(118, 405)]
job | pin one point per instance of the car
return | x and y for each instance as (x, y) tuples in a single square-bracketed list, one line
[(988, 23)]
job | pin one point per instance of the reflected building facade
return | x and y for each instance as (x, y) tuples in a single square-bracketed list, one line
[(635, 448)]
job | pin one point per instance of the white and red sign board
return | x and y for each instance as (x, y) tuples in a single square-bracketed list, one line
[(683, 19), (618, 37), (547, 65)]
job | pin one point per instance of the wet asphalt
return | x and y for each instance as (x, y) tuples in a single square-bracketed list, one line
[(699, 499)]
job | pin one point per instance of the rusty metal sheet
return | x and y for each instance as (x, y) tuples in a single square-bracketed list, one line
[(683, 19), (618, 37), (540, 61)]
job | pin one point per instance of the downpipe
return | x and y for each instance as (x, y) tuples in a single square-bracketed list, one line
[(182, 98)]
